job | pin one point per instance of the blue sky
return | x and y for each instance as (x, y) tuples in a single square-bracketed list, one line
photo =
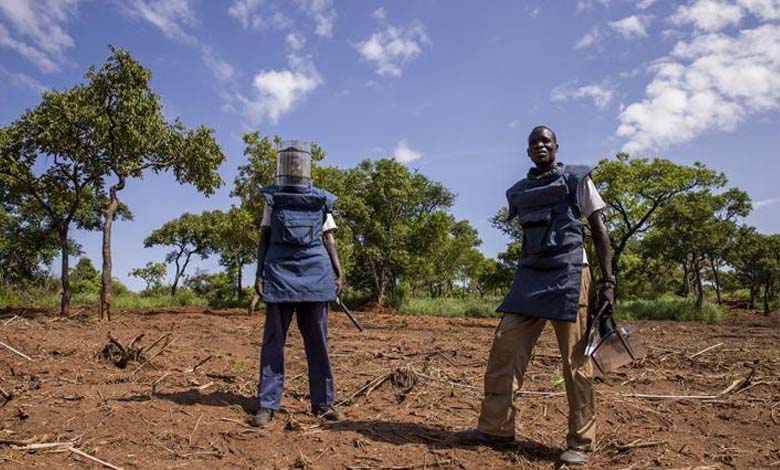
[(448, 87)]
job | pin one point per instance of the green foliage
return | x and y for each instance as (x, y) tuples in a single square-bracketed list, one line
[(188, 235), (401, 295), (668, 308), (152, 273), (636, 188), (84, 277), (216, 286), (452, 307)]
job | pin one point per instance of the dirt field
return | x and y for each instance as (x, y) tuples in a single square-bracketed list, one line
[(159, 413)]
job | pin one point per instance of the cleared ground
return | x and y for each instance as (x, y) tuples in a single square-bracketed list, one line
[(414, 381)]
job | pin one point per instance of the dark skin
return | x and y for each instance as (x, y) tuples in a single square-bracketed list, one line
[(542, 150), (330, 246)]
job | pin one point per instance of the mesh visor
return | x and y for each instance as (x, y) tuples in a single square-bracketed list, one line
[(293, 167)]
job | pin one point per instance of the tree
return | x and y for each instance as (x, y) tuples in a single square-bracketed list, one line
[(189, 235), (755, 259), (694, 228), (130, 135), (235, 240), (634, 189), (50, 171), (389, 207), (152, 273), (85, 277)]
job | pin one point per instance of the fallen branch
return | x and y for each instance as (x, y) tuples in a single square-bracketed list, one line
[(705, 350), (94, 459), (638, 444), (43, 445), (16, 352), (154, 355), (193, 368)]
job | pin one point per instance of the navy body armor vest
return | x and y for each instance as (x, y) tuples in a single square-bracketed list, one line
[(549, 274), (297, 266)]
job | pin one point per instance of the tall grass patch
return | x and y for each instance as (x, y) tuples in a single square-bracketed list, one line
[(451, 307), (666, 308)]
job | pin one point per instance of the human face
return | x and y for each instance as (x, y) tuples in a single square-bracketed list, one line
[(542, 148)]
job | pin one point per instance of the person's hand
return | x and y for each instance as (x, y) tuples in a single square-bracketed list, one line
[(259, 285), (339, 285)]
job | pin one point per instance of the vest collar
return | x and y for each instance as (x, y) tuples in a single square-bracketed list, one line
[(534, 174)]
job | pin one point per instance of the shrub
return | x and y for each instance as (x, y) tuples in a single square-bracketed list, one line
[(668, 308)]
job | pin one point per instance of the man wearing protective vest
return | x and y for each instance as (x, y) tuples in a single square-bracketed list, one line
[(552, 283), (296, 262)]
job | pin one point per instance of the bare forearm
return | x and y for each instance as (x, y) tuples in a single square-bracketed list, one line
[(331, 247), (602, 243)]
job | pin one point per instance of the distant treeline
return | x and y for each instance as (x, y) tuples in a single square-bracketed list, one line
[(675, 228)]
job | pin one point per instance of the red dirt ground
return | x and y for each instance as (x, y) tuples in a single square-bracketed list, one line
[(162, 415)]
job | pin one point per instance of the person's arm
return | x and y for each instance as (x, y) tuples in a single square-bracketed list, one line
[(598, 230), (330, 246), (262, 249)]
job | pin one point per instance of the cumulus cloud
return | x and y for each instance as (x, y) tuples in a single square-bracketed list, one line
[(632, 27), (247, 13), (169, 16), (405, 154), (600, 94), (708, 15), (713, 81), (295, 41), (324, 14), (36, 30), (393, 47)]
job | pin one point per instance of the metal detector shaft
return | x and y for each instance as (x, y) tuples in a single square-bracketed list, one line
[(349, 314)]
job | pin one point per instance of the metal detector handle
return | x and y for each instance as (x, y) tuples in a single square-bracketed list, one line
[(349, 314), (592, 343)]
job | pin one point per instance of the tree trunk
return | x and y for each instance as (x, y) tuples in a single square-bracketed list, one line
[(65, 277), (766, 298), (105, 292), (699, 288), (686, 284), (716, 278), (239, 292), (179, 273)]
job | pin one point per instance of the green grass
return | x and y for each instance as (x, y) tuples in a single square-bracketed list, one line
[(452, 307), (129, 300), (668, 308)]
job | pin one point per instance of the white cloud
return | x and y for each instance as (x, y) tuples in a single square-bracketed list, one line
[(708, 15), (583, 5), (246, 12), (221, 69), (39, 26), (295, 41), (764, 9), (278, 92), (394, 47), (405, 154), (645, 4), (380, 14), (600, 94), (323, 13), (170, 16), (713, 81), (589, 39), (632, 27), (765, 202), (535, 12), (22, 80)]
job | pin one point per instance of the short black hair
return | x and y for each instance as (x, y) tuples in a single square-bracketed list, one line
[(541, 128)]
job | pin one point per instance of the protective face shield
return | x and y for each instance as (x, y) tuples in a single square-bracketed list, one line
[(293, 165)]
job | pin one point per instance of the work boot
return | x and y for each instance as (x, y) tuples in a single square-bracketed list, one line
[(475, 436), (262, 418), (328, 413), (575, 456)]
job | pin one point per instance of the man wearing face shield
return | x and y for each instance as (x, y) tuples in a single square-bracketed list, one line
[(298, 271), (552, 283)]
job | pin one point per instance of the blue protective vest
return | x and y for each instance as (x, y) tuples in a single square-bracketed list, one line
[(549, 274), (297, 266)]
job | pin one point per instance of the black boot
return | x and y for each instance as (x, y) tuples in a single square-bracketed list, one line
[(262, 418)]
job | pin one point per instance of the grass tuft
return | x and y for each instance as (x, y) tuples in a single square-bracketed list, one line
[(452, 307), (668, 308)]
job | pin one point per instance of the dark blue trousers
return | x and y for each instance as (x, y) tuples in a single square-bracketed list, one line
[(312, 318)]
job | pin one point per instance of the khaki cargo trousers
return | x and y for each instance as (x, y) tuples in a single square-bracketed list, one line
[(513, 343)]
